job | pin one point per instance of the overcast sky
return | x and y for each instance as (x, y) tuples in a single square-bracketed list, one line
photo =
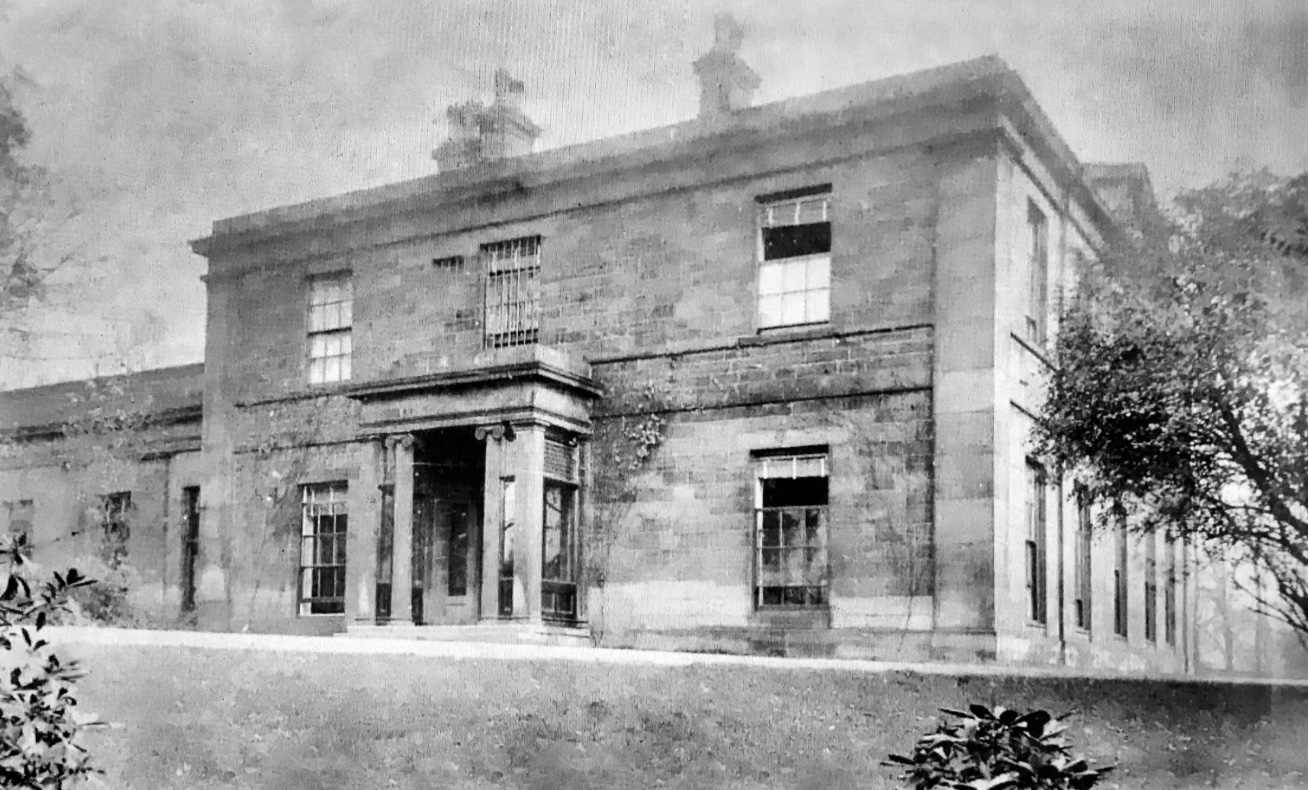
[(170, 114)]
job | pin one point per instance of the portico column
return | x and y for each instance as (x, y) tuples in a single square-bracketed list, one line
[(515, 459), (402, 543), (529, 450), (493, 479)]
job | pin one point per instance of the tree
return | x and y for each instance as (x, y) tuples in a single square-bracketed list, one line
[(38, 237), (1178, 393)]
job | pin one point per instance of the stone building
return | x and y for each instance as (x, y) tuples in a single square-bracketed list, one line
[(760, 381)]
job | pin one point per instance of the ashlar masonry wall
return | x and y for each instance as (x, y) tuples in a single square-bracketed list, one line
[(66, 480), (662, 277), (674, 535)]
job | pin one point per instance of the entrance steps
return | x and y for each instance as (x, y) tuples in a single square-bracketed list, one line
[(494, 632)]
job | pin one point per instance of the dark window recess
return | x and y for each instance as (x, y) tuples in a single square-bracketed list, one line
[(793, 492), (791, 241), (450, 262), (190, 544)]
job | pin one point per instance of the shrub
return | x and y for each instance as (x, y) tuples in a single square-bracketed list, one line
[(996, 749), (39, 722), (107, 599)]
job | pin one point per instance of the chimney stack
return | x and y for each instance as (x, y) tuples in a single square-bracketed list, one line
[(727, 84), (480, 134)]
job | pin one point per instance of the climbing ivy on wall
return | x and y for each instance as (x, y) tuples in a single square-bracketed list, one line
[(623, 448)]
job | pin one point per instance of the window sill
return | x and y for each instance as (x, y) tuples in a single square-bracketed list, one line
[(792, 617), (1037, 348), (817, 329), (328, 386)]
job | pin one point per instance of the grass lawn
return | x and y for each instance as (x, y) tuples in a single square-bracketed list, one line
[(191, 718)]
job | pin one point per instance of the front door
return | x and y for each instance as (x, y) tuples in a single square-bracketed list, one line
[(446, 559)]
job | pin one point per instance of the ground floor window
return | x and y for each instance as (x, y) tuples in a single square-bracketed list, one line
[(115, 514), (559, 535), (1082, 558), (1151, 588), (1120, 576), (1035, 543), (508, 531), (790, 540), (559, 552), (1170, 591), (322, 549)]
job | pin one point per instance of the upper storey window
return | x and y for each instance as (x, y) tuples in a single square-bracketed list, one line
[(331, 312), (1038, 233), (513, 282), (795, 245)]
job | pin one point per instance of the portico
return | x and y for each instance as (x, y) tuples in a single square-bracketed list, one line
[(482, 472)]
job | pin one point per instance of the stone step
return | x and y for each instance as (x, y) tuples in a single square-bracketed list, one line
[(486, 633)]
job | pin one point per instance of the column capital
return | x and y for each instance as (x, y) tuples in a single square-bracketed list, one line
[(500, 431), (403, 440)]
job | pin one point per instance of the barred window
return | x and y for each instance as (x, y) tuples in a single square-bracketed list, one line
[(795, 245), (322, 548), (512, 299), (331, 314), (791, 531)]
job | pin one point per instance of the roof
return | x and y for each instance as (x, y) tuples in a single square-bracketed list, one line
[(985, 77), (175, 391)]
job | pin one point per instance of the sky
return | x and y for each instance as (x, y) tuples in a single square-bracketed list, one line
[(165, 115)]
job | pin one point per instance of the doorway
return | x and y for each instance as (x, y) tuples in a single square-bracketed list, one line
[(447, 572)]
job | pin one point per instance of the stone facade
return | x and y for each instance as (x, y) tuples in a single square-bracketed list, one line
[(625, 435)]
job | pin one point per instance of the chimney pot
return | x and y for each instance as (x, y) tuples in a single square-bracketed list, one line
[(480, 134), (727, 83)]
